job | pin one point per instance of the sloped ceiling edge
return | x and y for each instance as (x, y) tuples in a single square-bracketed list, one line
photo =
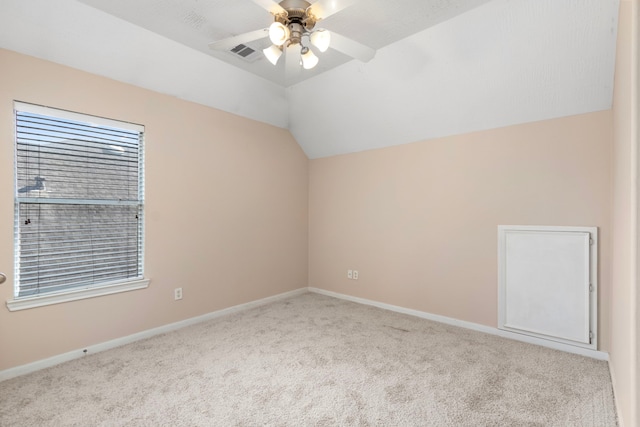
[(501, 64), (79, 36)]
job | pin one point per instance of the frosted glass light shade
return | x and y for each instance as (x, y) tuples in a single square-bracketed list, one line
[(273, 53), (309, 60), (278, 33), (321, 39)]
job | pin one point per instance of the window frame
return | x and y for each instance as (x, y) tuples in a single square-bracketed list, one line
[(81, 291)]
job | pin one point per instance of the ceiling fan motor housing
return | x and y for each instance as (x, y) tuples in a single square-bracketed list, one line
[(298, 18), (296, 30)]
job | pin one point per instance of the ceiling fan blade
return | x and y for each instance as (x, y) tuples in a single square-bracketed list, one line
[(270, 6), (351, 47), (292, 62), (322, 9), (231, 42)]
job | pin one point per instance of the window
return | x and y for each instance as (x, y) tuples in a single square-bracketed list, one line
[(78, 205)]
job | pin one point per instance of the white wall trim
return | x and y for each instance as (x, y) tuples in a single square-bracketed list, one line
[(595, 354), (635, 225), (76, 354), (76, 294), (615, 399)]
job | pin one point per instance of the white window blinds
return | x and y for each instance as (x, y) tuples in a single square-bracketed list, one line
[(79, 201)]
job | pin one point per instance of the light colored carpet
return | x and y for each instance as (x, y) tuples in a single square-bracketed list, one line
[(313, 360)]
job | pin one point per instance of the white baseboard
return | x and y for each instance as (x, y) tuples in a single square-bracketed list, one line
[(615, 399), (76, 354), (600, 355)]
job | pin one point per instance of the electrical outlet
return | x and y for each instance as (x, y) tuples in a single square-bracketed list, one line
[(355, 274), (349, 274), (177, 293)]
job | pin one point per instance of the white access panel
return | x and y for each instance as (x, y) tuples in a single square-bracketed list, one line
[(547, 282)]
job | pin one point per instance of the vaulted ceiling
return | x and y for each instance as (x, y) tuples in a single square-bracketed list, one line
[(197, 23), (442, 67)]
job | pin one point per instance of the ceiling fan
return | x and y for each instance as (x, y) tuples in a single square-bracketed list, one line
[(294, 35)]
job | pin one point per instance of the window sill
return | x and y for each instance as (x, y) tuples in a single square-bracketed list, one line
[(76, 294)]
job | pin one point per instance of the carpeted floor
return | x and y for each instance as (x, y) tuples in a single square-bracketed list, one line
[(313, 360)]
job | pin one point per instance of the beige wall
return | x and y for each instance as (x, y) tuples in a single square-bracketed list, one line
[(226, 211), (623, 352), (235, 212), (419, 221)]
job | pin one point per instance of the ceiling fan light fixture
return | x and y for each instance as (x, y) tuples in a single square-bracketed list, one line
[(309, 60), (321, 39), (278, 33), (273, 53), (294, 36)]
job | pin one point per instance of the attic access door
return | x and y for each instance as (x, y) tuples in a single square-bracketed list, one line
[(547, 283)]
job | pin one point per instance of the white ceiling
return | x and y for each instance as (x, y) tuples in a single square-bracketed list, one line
[(505, 63), (441, 67), (196, 23)]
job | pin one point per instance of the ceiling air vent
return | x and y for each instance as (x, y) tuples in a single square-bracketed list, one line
[(244, 52)]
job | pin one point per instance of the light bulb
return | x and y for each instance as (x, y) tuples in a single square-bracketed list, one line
[(273, 53), (278, 33), (321, 39), (309, 60)]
